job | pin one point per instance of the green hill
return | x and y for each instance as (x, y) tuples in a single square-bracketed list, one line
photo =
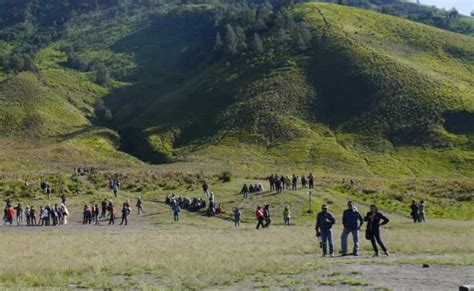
[(245, 84)]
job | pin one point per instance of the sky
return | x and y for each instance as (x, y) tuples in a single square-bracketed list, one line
[(463, 6)]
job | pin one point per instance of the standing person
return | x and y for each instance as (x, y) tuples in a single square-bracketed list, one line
[(414, 211), (63, 199), (237, 217), (10, 214), (245, 192), (33, 215), (111, 210), (28, 215), (116, 189), (287, 215), (352, 221), (324, 222), (303, 181), (125, 213), (96, 215), (87, 215), (205, 189), (294, 182), (104, 208), (140, 205), (65, 214), (176, 210), (267, 215), (19, 214), (421, 211), (311, 180), (271, 182), (375, 219), (260, 217)]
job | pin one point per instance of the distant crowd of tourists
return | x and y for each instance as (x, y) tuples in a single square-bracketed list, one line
[(281, 183), (43, 216)]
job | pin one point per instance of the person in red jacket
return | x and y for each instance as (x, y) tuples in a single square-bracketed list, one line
[(260, 218), (10, 214)]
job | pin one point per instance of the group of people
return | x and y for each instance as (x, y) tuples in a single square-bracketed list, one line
[(281, 183), (352, 222), (250, 189), (417, 211), (92, 213), (81, 171), (46, 215)]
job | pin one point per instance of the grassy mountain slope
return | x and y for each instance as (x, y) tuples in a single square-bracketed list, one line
[(333, 87)]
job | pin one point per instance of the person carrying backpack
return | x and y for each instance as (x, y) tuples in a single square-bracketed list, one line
[(125, 212), (375, 219)]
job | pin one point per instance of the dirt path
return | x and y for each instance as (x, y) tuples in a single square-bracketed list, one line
[(411, 277)]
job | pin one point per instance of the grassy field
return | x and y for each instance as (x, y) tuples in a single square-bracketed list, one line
[(208, 252)]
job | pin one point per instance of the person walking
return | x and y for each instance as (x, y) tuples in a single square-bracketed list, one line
[(375, 219), (324, 222), (414, 211), (421, 211), (125, 213), (237, 217), (311, 181), (260, 217), (140, 205), (111, 210), (287, 215), (267, 215), (176, 210), (352, 221)]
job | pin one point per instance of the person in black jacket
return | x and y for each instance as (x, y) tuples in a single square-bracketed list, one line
[(325, 221), (375, 219), (414, 211)]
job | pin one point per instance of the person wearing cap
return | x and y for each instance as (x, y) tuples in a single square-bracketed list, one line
[(324, 222), (352, 221)]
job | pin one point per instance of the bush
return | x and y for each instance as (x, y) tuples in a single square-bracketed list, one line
[(225, 176)]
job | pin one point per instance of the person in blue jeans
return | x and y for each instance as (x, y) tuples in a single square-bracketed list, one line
[(352, 221), (324, 222), (176, 210)]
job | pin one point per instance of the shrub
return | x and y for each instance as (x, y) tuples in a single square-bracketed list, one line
[(225, 176)]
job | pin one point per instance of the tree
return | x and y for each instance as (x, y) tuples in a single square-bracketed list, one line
[(16, 63), (472, 13), (218, 43), (257, 44), (453, 13), (241, 39), (6, 66), (230, 40), (102, 76)]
